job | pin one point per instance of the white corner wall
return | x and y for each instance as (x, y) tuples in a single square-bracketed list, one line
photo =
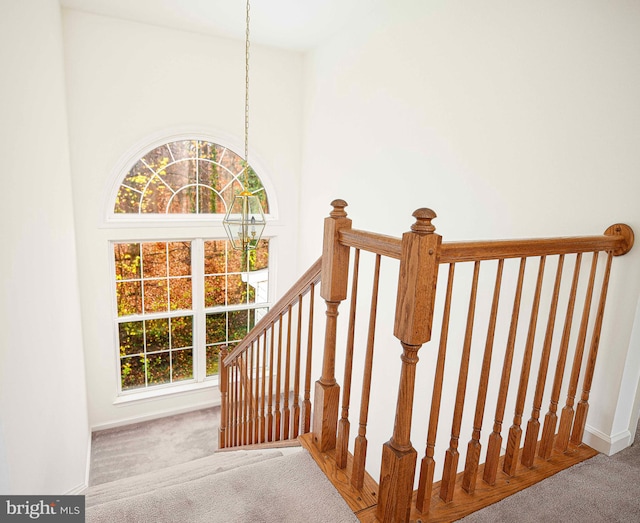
[(508, 118), (130, 84), (44, 431)]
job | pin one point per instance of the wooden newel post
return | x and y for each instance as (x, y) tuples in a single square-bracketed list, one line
[(335, 270), (224, 398), (414, 315)]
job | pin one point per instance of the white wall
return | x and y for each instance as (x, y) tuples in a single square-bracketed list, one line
[(508, 118), (130, 85), (44, 431)]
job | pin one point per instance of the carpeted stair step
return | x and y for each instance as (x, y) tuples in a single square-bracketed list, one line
[(290, 489), (170, 476)]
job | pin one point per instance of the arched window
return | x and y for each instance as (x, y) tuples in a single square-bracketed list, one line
[(178, 300), (186, 177)]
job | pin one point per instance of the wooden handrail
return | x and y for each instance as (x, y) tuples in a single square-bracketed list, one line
[(301, 286), (618, 239), (372, 242)]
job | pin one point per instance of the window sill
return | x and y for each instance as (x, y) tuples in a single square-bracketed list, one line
[(161, 392)]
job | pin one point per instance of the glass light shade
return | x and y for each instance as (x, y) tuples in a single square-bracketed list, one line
[(244, 222)]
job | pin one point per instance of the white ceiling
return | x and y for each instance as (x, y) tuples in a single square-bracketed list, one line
[(291, 24)]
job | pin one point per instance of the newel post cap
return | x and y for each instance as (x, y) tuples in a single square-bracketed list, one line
[(338, 209), (423, 223)]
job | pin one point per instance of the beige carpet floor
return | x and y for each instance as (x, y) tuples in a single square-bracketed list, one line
[(601, 490)]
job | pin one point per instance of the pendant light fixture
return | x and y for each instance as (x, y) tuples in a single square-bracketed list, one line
[(244, 221)]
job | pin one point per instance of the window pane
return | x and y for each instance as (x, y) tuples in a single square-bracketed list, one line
[(158, 368), (155, 296), (214, 290), (210, 202), (216, 328), (129, 297), (214, 256), (182, 332), (131, 337), (127, 201), (236, 290), (238, 322), (180, 173), (182, 364), (138, 177), (184, 149), (213, 353), (157, 159), (259, 314), (237, 261), (179, 258), (180, 293), (156, 197), (259, 259), (127, 258), (184, 201), (154, 260), (157, 332), (132, 372)]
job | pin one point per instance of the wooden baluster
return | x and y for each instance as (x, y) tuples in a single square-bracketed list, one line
[(286, 412), (244, 390), (256, 396), (233, 406), (566, 418), (279, 371), (427, 467), (495, 438), (263, 391), (515, 432), (242, 406), (344, 425), (360, 448), (270, 395), (306, 405), (417, 281), (335, 269), (447, 485), (222, 384), (296, 373), (249, 393), (551, 419), (533, 426), (474, 447), (583, 404)]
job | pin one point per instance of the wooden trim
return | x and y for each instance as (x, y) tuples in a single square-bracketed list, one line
[(357, 499), (464, 504)]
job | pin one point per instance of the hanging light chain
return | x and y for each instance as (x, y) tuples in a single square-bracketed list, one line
[(246, 103)]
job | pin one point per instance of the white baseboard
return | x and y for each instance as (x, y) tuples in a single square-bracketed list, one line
[(77, 490), (604, 443), (155, 415)]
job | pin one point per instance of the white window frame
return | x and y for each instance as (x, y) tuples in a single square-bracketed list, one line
[(142, 228)]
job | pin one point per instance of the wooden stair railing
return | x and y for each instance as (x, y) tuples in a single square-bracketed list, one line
[(260, 391), (493, 313)]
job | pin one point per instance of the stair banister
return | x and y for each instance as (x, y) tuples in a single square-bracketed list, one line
[(335, 270), (414, 310)]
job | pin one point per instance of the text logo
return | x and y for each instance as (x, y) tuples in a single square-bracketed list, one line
[(47, 509)]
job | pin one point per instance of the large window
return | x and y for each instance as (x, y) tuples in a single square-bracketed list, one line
[(179, 300)]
